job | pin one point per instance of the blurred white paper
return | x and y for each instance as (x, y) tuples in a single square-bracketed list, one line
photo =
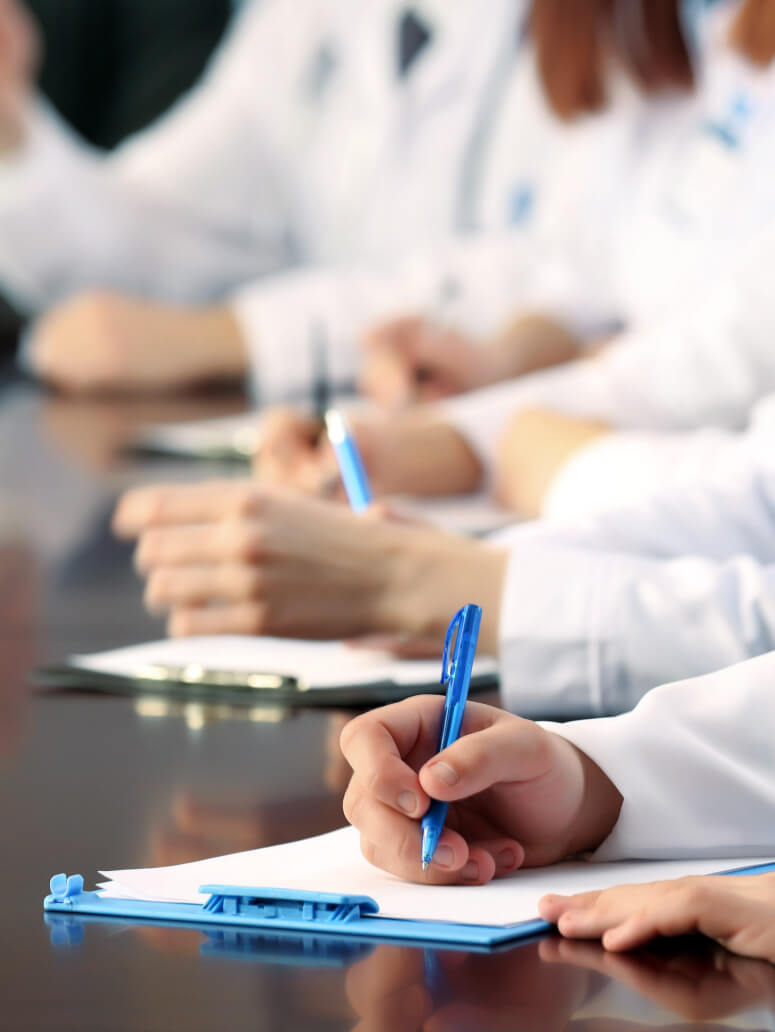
[(469, 514), (333, 863), (316, 665), (225, 437)]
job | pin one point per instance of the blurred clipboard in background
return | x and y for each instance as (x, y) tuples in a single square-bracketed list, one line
[(226, 439), (247, 670)]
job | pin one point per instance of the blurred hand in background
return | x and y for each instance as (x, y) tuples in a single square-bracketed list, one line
[(101, 342)]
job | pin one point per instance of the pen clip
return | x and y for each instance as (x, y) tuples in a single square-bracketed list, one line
[(454, 625)]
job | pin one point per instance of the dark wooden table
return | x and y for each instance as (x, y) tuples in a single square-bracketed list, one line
[(89, 782)]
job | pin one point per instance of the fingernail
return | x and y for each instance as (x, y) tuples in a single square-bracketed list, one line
[(471, 871), (443, 856), (445, 773), (506, 860), (408, 802)]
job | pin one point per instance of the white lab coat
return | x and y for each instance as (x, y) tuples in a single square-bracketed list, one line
[(594, 613), (695, 764), (302, 150), (706, 364)]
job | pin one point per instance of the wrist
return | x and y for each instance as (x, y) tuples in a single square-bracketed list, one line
[(527, 344), (221, 345), (599, 803), (424, 455), (431, 574)]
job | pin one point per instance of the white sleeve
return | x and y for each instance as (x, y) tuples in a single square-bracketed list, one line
[(625, 467), (695, 764), (183, 211), (346, 302), (706, 364), (593, 615)]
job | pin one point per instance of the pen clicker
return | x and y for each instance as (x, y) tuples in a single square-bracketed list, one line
[(456, 665), (351, 468)]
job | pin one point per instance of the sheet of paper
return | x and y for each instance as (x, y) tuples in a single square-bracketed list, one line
[(333, 863), (237, 435), (318, 664), (471, 514)]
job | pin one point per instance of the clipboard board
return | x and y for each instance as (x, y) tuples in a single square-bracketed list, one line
[(236, 690), (242, 670), (307, 913)]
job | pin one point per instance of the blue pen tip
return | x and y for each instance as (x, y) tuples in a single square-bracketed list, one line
[(430, 839)]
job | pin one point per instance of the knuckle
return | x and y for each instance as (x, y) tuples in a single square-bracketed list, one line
[(371, 852), (376, 785), (693, 891), (157, 589), (352, 802), (252, 584), (348, 733), (146, 551), (245, 541), (246, 504), (256, 621)]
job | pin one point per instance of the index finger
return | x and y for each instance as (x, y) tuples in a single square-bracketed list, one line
[(377, 744), (173, 504)]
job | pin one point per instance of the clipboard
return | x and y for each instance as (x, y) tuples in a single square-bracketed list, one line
[(242, 670), (233, 689), (308, 913)]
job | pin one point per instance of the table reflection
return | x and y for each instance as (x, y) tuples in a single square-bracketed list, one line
[(95, 431), (19, 600), (201, 827)]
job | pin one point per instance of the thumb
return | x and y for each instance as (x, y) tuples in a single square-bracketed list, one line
[(510, 750)]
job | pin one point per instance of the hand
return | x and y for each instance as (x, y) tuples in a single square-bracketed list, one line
[(19, 49), (520, 796), (408, 359), (413, 453), (737, 911), (230, 557), (532, 450), (103, 342)]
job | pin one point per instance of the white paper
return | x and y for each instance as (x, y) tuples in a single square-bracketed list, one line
[(318, 665), (471, 514), (333, 863), (238, 435)]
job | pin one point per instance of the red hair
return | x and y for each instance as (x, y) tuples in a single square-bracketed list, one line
[(575, 41)]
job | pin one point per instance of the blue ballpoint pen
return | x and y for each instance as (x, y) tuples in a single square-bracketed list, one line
[(354, 478), (456, 674)]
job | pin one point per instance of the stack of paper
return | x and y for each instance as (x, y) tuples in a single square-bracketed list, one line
[(333, 863)]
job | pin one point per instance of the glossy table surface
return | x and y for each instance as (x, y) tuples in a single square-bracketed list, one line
[(91, 782)]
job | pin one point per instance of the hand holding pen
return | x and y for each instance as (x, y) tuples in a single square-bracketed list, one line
[(517, 794)]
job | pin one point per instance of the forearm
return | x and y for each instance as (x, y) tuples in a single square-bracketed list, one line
[(532, 452), (528, 343)]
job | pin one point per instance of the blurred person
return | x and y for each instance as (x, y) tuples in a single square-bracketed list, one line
[(585, 617), (687, 773), (111, 68), (688, 272), (316, 145), (598, 432)]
